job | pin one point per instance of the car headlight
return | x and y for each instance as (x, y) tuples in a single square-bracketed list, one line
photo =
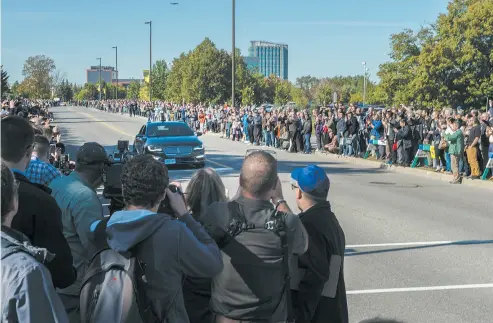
[(154, 148), (201, 147)]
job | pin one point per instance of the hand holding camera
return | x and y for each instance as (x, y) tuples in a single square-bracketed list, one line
[(174, 194)]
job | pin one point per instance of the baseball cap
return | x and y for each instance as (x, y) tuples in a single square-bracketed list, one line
[(312, 180), (91, 153)]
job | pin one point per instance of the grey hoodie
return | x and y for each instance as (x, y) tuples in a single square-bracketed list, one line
[(171, 249), (27, 289)]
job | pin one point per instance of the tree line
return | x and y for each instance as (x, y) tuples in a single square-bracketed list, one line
[(447, 63)]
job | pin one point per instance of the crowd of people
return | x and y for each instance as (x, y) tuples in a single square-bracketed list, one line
[(394, 135)]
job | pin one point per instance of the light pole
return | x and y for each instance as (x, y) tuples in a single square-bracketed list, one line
[(364, 83), (150, 59), (116, 67), (99, 78), (233, 54)]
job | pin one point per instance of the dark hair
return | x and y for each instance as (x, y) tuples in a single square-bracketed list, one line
[(258, 174), (144, 181), (17, 137), (41, 144), (8, 189)]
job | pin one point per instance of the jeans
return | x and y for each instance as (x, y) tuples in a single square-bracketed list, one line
[(274, 140), (447, 160), (308, 144), (268, 138)]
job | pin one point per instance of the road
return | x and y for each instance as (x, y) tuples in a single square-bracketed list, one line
[(418, 249)]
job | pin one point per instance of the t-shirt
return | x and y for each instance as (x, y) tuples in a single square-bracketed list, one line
[(473, 133)]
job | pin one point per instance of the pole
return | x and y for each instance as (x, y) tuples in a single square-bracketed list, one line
[(364, 83), (116, 67), (233, 58), (150, 61), (99, 78)]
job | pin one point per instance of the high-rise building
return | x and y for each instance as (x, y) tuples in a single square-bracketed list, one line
[(272, 58), (108, 74)]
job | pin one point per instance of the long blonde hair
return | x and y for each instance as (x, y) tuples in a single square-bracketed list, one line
[(205, 187)]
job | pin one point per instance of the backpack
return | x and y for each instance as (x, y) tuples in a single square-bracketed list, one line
[(113, 288), (276, 223)]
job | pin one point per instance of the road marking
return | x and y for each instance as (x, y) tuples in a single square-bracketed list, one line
[(106, 204), (219, 164), (400, 244), (418, 289), (105, 123)]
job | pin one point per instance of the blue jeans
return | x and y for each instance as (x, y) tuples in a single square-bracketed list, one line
[(268, 138), (273, 139), (447, 160), (308, 144)]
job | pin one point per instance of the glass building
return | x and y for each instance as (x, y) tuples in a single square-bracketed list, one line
[(108, 74), (272, 58)]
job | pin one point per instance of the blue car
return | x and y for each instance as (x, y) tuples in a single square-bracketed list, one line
[(172, 142)]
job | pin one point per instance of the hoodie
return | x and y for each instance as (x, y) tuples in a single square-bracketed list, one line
[(171, 249)]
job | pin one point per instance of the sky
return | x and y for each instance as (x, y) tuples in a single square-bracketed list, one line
[(325, 37)]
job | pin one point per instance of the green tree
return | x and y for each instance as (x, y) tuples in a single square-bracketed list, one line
[(14, 89), (133, 90), (159, 74), (247, 96), (5, 82), (324, 93), (308, 84), (37, 72), (65, 91), (283, 92), (298, 96)]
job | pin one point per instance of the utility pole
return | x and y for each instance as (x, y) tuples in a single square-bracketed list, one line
[(116, 67), (364, 83), (233, 54), (150, 59), (99, 78)]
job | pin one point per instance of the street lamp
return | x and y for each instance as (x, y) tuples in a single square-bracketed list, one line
[(364, 83), (116, 67), (150, 59), (233, 54), (99, 78)]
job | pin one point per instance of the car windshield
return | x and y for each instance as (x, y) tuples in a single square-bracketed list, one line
[(169, 130)]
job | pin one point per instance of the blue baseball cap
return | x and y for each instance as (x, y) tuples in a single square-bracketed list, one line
[(312, 180)]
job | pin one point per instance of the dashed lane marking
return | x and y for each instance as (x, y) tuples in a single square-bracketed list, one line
[(105, 123), (418, 289)]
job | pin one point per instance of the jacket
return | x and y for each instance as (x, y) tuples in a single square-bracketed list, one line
[(377, 129), (456, 140), (307, 126), (341, 126), (28, 294), (321, 272), (352, 126), (171, 249), (40, 219)]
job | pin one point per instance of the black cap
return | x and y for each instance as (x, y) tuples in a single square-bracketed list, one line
[(91, 153)]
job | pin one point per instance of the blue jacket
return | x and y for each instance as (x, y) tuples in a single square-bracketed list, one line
[(28, 294), (377, 128), (171, 249)]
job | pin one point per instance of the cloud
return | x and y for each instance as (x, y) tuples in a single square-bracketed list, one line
[(359, 24)]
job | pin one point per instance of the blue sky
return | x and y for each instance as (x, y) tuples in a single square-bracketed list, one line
[(325, 37)]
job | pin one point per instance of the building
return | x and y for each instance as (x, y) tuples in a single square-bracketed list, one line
[(108, 74), (269, 58), (126, 82)]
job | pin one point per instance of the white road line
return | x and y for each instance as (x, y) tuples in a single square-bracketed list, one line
[(400, 244), (105, 204), (418, 289)]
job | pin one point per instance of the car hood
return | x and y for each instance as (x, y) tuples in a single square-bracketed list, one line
[(180, 140)]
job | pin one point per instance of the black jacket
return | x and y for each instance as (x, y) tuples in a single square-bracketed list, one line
[(40, 219), (326, 239), (307, 126)]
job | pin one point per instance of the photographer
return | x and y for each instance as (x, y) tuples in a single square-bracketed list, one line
[(253, 284), (171, 246), (40, 171)]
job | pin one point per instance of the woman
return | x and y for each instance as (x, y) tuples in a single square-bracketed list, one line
[(456, 149), (204, 189), (28, 294)]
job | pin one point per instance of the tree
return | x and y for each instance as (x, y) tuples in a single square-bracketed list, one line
[(14, 89), (247, 96), (308, 85), (65, 91), (324, 93), (283, 92), (159, 74), (134, 90), (144, 92), (38, 76), (5, 82)]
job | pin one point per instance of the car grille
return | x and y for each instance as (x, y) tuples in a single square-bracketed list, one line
[(177, 151)]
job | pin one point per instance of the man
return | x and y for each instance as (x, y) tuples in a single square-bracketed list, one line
[(307, 134), (170, 248), (484, 140), (40, 171), (471, 147), (251, 286), (319, 292), (76, 196), (257, 133), (38, 216)]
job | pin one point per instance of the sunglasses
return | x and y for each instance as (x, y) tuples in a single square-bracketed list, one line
[(293, 187)]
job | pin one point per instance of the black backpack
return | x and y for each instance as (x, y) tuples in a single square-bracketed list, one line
[(113, 288)]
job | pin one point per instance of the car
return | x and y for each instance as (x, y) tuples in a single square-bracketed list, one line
[(172, 142)]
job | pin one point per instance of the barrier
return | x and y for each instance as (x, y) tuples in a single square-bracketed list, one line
[(374, 142), (488, 167), (423, 151)]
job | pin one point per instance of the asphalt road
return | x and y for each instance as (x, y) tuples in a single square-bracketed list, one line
[(418, 249)]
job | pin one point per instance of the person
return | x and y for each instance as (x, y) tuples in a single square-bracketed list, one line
[(39, 170), (185, 248), (472, 147), (205, 187), (318, 288), (307, 134), (28, 293), (456, 148), (38, 216), (76, 196), (252, 286)]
